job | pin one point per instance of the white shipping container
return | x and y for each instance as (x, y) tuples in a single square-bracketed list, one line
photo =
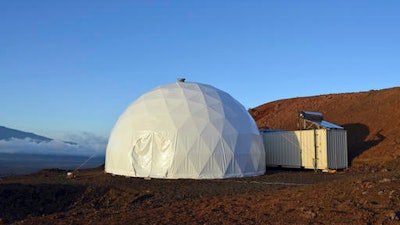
[(310, 149)]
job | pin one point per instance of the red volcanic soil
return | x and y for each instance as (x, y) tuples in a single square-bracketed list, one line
[(366, 193), (372, 120)]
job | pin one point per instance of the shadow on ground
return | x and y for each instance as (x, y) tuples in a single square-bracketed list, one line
[(21, 200), (357, 134)]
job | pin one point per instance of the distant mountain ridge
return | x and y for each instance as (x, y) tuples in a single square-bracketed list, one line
[(8, 133)]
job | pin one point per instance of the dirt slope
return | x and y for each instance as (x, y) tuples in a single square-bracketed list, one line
[(372, 120)]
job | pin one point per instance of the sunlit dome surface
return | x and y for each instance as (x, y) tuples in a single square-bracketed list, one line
[(185, 130)]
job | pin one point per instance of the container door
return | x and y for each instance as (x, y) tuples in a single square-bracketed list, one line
[(306, 140), (321, 149)]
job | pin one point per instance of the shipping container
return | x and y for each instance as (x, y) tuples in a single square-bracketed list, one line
[(310, 149)]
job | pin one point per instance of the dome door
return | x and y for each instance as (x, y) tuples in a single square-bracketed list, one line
[(152, 155)]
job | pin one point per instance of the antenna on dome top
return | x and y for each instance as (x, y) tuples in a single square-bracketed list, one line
[(181, 79)]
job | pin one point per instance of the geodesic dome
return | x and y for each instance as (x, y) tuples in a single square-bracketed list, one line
[(185, 130)]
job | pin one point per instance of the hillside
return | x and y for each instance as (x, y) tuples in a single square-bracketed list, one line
[(8, 133), (372, 120)]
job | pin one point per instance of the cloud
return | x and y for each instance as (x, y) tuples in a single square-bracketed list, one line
[(90, 142), (86, 144)]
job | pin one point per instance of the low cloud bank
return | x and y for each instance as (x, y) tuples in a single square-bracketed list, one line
[(86, 145)]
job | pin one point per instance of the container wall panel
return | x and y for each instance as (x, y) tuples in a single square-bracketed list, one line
[(282, 149), (337, 149)]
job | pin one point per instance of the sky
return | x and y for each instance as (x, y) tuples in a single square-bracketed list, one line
[(70, 68)]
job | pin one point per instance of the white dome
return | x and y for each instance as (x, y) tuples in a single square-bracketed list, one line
[(185, 130)]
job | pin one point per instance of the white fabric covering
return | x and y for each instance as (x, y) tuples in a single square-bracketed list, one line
[(185, 130)]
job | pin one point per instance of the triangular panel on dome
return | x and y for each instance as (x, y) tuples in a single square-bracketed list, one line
[(210, 95), (233, 168), (212, 100), (226, 155), (213, 167), (193, 94), (176, 107), (171, 91), (189, 160), (199, 152), (229, 129), (192, 124), (257, 157)]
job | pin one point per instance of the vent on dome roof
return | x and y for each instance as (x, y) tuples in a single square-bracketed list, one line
[(308, 120)]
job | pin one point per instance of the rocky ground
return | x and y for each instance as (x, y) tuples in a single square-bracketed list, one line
[(366, 193)]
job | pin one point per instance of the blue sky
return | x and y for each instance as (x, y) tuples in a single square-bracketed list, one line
[(71, 67)]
